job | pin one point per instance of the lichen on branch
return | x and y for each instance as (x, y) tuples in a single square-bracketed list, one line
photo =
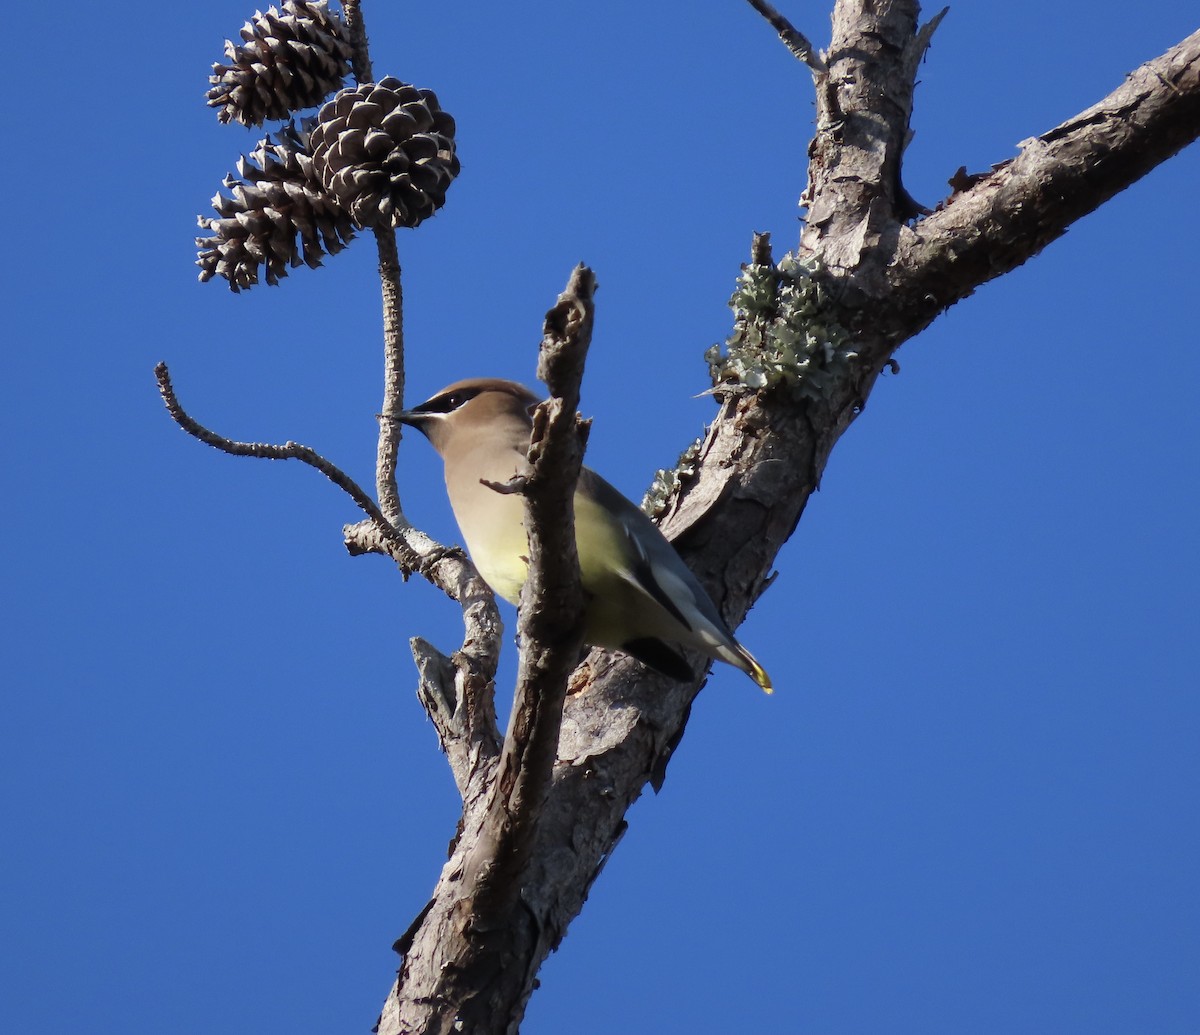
[(786, 332)]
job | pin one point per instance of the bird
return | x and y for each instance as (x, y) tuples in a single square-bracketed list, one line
[(641, 597)]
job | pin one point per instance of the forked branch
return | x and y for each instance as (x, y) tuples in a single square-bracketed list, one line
[(1013, 211)]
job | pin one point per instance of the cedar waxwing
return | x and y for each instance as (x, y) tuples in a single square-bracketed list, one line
[(640, 591)]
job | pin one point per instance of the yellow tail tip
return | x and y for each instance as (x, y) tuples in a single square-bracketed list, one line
[(755, 671)]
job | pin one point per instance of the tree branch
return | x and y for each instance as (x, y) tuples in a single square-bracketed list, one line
[(393, 374), (1010, 214), (408, 558), (793, 39)]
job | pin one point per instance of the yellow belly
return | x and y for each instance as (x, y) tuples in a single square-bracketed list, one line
[(493, 528)]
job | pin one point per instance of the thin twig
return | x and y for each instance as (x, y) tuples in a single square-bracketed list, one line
[(793, 38), (393, 311), (393, 375), (287, 451), (515, 486)]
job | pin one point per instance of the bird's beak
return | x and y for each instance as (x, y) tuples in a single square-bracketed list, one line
[(423, 422)]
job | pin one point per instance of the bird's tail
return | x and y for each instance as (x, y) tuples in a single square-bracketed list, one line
[(748, 663)]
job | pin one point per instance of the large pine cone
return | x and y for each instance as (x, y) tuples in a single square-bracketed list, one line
[(274, 202), (386, 151), (292, 58)]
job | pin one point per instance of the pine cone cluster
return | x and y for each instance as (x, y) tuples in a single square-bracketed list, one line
[(378, 155), (292, 58), (385, 151), (274, 201)]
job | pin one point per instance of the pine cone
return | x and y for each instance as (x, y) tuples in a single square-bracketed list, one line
[(293, 58), (274, 201), (386, 151)]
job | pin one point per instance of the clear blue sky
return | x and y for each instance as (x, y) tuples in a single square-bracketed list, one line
[(971, 806)]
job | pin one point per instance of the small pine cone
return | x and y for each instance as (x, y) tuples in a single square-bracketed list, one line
[(386, 151), (274, 202), (292, 58)]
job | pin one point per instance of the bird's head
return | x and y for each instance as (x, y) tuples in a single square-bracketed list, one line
[(466, 409)]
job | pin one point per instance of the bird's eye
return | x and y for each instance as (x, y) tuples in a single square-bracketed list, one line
[(449, 402)]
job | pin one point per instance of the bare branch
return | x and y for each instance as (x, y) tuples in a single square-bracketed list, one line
[(393, 374), (287, 451), (1004, 217), (793, 39), (471, 746)]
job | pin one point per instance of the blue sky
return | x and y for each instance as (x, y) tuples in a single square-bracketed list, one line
[(971, 806)]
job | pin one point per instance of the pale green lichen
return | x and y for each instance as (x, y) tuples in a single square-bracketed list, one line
[(668, 483), (785, 332)]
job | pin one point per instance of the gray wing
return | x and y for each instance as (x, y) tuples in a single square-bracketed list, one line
[(659, 571)]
